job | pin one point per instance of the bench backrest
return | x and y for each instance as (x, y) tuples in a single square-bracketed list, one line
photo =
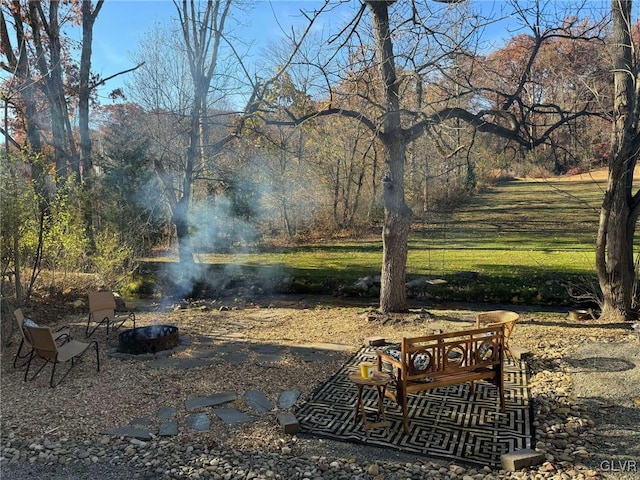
[(452, 353)]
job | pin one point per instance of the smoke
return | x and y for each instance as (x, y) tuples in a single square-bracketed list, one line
[(232, 223)]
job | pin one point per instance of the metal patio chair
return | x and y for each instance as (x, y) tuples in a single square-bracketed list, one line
[(46, 349), (102, 311), (60, 335), (500, 317)]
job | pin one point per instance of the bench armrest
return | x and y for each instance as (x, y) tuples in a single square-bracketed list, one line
[(383, 357)]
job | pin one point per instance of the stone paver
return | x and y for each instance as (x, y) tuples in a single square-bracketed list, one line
[(228, 347), (268, 348), (211, 351), (165, 413), (199, 421), (269, 358), (141, 422), (209, 401), (258, 401), (169, 429), (207, 353), (288, 399), (165, 363), (236, 358), (232, 416), (195, 362), (206, 339)]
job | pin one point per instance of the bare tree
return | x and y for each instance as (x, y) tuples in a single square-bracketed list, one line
[(188, 115), (415, 40)]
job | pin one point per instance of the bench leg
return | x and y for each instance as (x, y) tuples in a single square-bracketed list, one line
[(403, 400)]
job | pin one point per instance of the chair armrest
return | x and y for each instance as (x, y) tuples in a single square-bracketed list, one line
[(62, 334)]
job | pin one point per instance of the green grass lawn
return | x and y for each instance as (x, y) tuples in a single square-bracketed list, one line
[(519, 242)]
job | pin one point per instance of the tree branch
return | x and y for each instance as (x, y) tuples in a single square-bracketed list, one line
[(111, 77), (323, 113)]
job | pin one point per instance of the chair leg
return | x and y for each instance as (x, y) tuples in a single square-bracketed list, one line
[(74, 362), (97, 355), (53, 371), (131, 317), (26, 373), (88, 333), (15, 360)]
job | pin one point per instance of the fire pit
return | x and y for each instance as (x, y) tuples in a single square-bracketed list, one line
[(151, 339)]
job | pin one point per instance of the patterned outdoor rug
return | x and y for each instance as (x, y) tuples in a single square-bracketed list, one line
[(445, 423)]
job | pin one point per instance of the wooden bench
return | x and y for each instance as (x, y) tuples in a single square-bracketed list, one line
[(445, 359)]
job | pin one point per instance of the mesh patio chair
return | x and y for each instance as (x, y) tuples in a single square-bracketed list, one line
[(46, 349), (60, 335), (500, 317), (102, 311)]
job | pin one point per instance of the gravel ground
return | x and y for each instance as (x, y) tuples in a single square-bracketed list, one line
[(606, 378), (584, 388)]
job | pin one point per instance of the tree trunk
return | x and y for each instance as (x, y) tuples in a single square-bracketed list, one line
[(620, 208), (84, 94), (181, 221), (395, 234), (50, 48), (397, 215)]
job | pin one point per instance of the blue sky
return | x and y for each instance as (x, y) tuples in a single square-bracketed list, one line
[(122, 24)]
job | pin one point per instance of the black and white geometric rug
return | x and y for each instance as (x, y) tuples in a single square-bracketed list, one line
[(445, 423)]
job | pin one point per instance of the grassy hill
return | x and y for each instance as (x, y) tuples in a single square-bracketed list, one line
[(528, 241), (523, 241)]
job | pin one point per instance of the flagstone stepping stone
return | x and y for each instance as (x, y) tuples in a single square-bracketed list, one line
[(229, 347), (232, 416), (236, 358), (199, 421), (258, 401), (268, 348), (141, 422), (165, 363), (165, 413), (208, 353), (206, 339), (314, 355), (216, 333), (269, 358), (233, 335), (129, 431), (209, 401), (187, 363), (288, 399), (169, 429)]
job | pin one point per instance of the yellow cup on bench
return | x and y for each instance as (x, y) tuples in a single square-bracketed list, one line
[(367, 370)]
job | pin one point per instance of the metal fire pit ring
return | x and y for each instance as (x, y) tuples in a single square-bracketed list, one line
[(151, 339)]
